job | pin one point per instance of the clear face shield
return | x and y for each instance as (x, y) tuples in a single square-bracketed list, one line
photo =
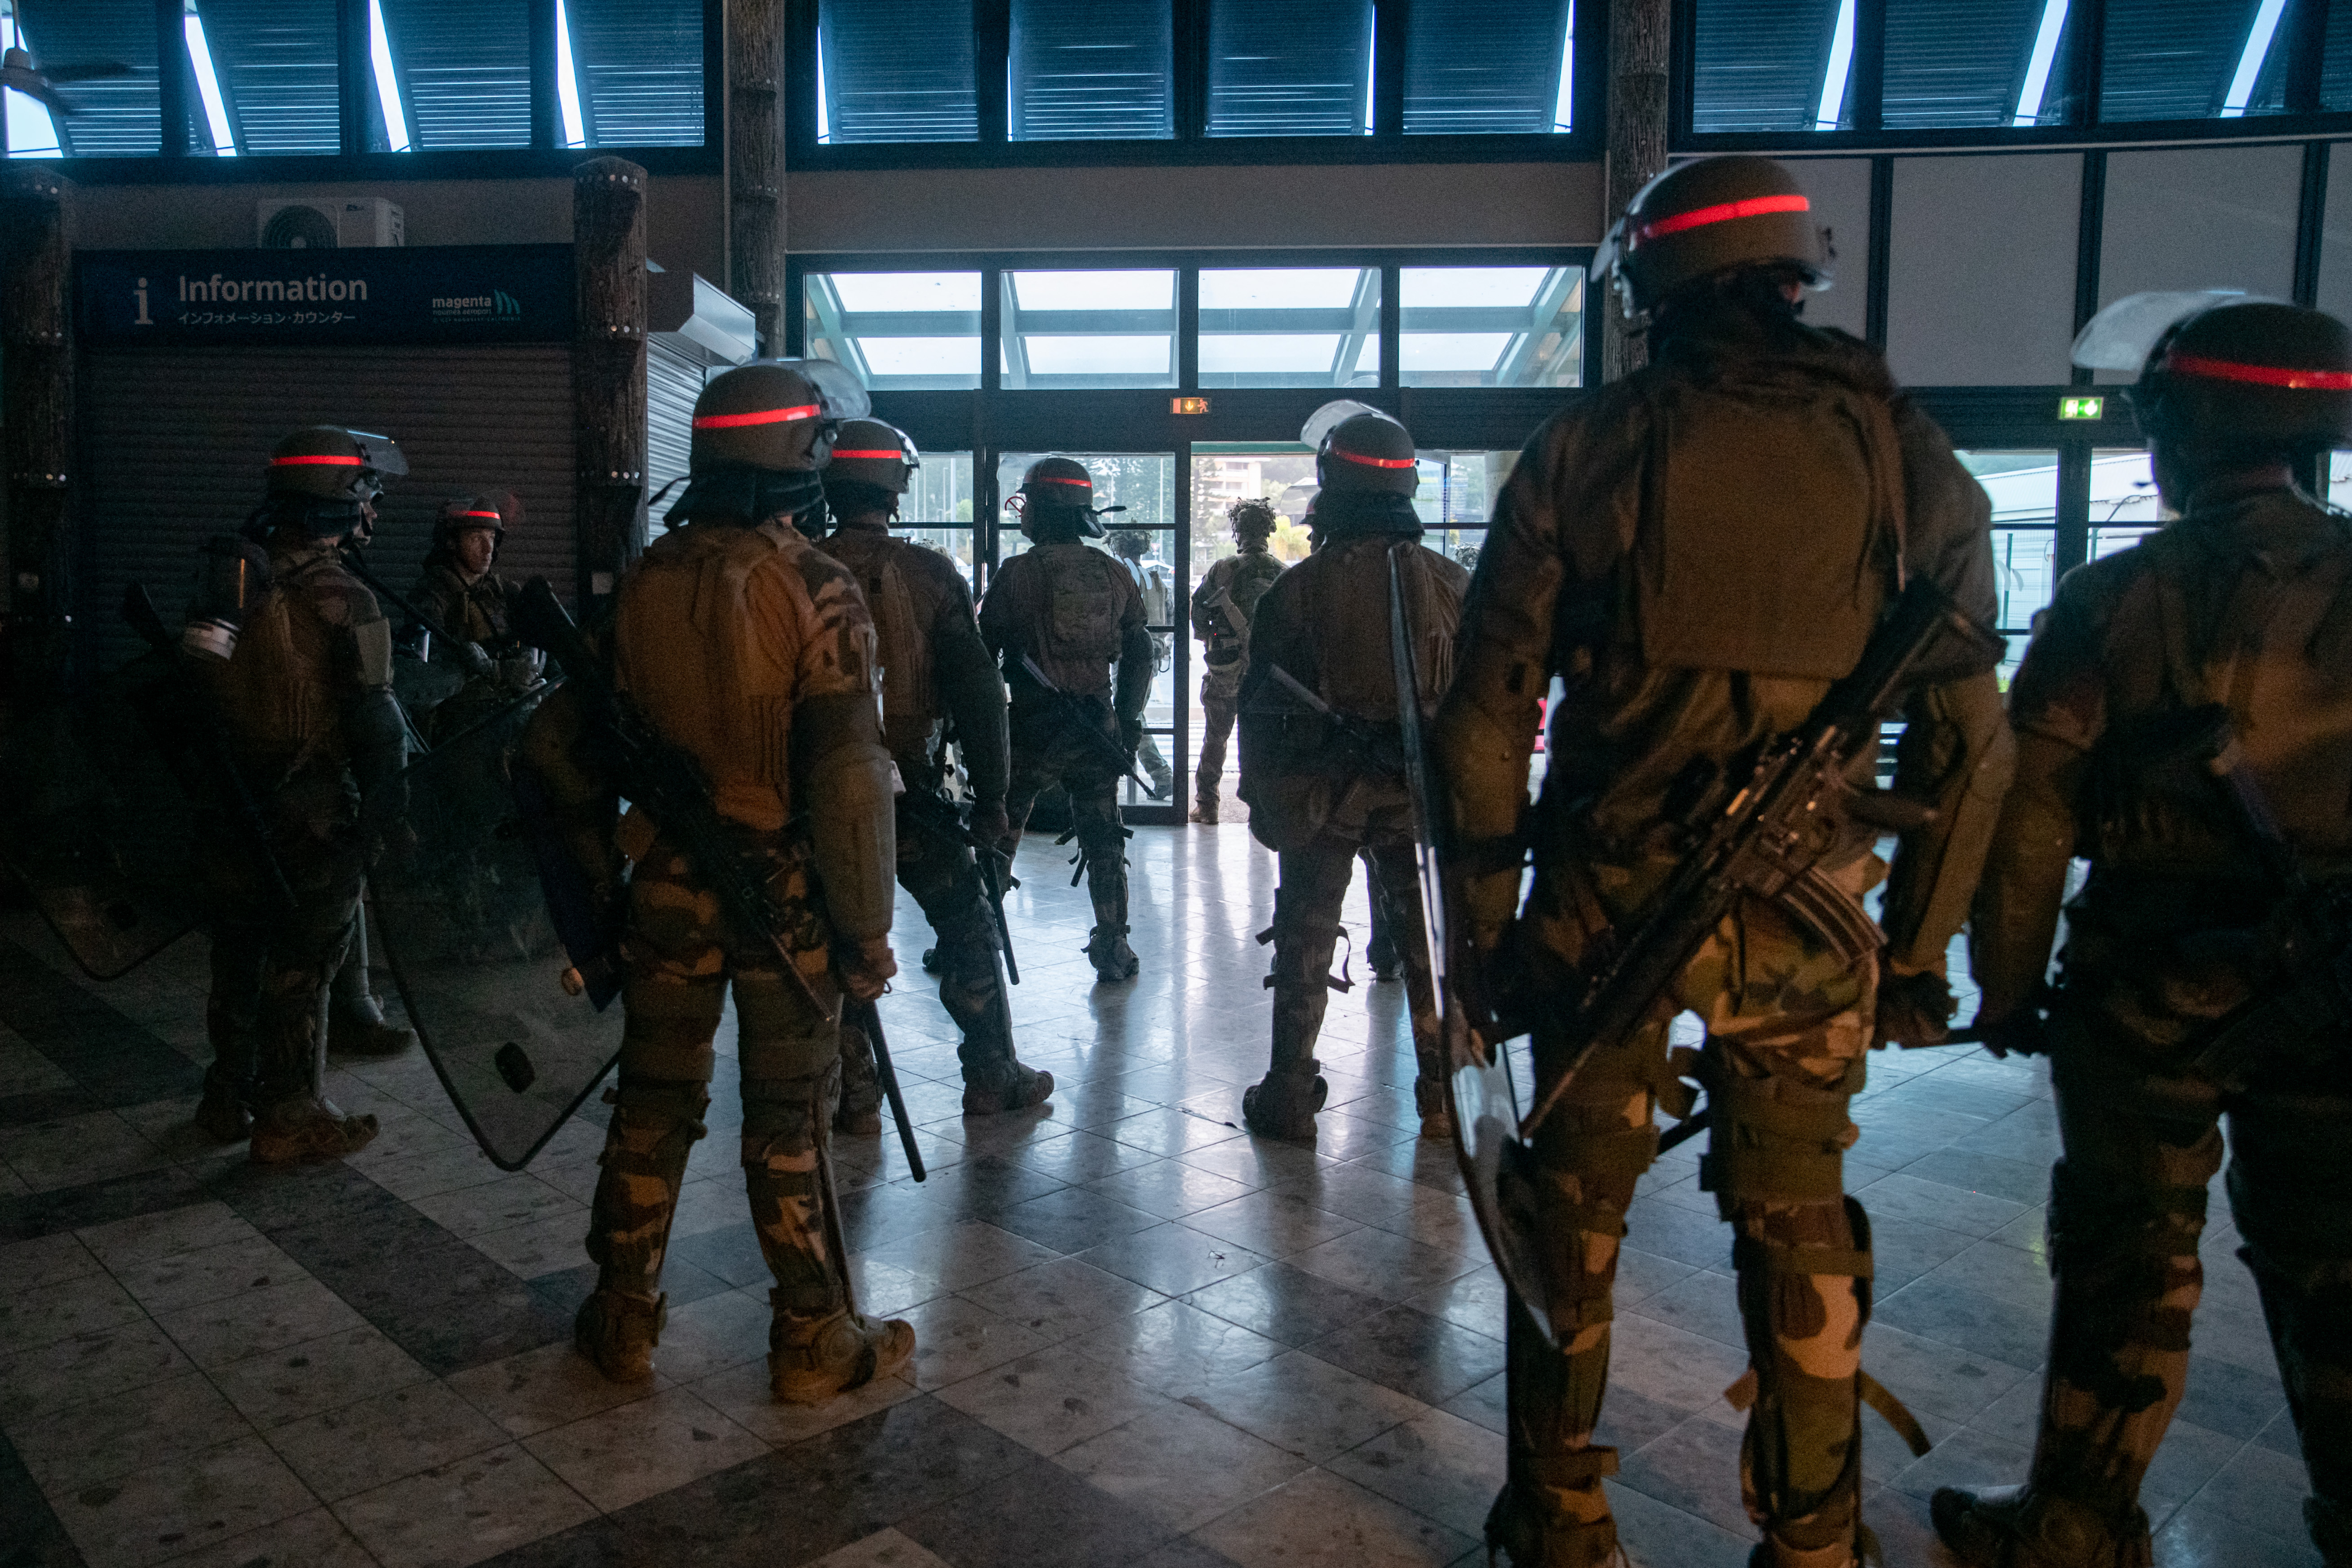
[(2122, 336), (230, 574)]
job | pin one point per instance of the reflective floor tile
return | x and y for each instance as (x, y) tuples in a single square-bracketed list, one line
[(1405, 1349), (1286, 1303), (883, 1548), (956, 1339), (712, 1333), (126, 1245), (962, 1255), (1051, 1399), (1381, 1263), (631, 1452), (1172, 1259), (1655, 1534), (1036, 1515), (1273, 1224), (363, 1446), (1176, 1349), (461, 1512), (551, 1386), (50, 1377), (1180, 1466), (1063, 1298), (1072, 1219), (1694, 1468), (1320, 1518), (312, 1539), (180, 1503), (1305, 1406), (100, 1440), (334, 1370), (742, 1393), (1438, 1465), (45, 1260), (69, 1307), (1672, 1366)]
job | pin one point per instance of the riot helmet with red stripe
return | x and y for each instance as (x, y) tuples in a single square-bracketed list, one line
[(1358, 448), (762, 433), (1057, 500), (872, 464), (1710, 216), (2228, 379), (323, 479)]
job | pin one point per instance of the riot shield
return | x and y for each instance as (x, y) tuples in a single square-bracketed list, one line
[(475, 939), (99, 831), (1497, 1165)]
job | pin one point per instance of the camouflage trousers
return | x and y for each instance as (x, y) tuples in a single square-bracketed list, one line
[(1221, 699), (1787, 1024), (680, 961), (2142, 1139), (944, 879), (271, 961), (1046, 752), (1305, 930)]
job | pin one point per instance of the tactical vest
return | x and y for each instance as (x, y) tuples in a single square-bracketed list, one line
[(902, 636), (1771, 524), (1069, 598), (278, 692)]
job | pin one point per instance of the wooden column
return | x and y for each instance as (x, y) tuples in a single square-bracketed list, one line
[(755, 164), (1638, 31), (35, 419), (608, 367)]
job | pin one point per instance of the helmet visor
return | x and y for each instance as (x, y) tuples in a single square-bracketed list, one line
[(1331, 415), (381, 453), (2121, 337), (838, 386)]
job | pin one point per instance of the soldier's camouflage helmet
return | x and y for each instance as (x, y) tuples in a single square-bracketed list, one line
[(1252, 519), (2228, 369), (1706, 216), (869, 452), (1358, 448), (331, 464), (781, 415), (495, 512), (1059, 485)]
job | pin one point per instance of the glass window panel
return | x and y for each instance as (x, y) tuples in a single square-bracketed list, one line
[(464, 71), (1758, 64), (896, 71), (900, 331), (113, 117), (1458, 490), (2339, 479), (1224, 473), (2171, 59), (639, 67), (1091, 329), (2023, 486), (1485, 67), (936, 511), (1091, 70), (2336, 62), (1493, 326), (1302, 68), (276, 62), (1958, 62), (1290, 326), (2124, 507)]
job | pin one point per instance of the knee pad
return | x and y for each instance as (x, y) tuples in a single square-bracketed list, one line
[(783, 1114), (656, 1124), (1762, 1149)]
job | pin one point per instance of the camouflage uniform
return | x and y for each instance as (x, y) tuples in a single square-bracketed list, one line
[(1320, 794), (2241, 601), (1696, 554), (307, 702), (753, 652), (476, 613), (935, 666), (1076, 611), (1221, 606)]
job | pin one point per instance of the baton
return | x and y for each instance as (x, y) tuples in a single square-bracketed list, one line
[(868, 1017)]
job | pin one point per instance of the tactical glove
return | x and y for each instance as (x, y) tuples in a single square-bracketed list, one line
[(1130, 735), (1913, 1010), (476, 658), (866, 968)]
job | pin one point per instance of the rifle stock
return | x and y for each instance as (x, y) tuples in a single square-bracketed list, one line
[(1075, 716)]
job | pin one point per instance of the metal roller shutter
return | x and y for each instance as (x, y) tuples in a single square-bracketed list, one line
[(675, 369), (173, 443)]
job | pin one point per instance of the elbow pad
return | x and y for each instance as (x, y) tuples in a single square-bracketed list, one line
[(853, 825)]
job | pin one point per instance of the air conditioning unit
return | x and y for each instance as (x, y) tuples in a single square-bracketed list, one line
[(327, 223)]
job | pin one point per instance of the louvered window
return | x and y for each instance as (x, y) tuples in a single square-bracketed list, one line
[(2178, 59), (1487, 66), (1759, 64), (113, 116), (1958, 62), (1299, 69), (275, 64), (639, 65), (2336, 79), (462, 69), (1088, 69), (896, 71)]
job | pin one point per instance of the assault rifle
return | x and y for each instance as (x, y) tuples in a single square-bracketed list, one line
[(1373, 741), (669, 783), (1077, 716)]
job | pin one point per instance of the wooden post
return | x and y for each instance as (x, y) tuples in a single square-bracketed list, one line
[(1638, 31), (608, 367), (35, 419), (755, 164)]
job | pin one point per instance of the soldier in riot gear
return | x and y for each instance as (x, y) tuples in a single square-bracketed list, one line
[(752, 651), (471, 602), (1072, 614), (1322, 755), (1697, 554), (1222, 606), (2221, 646), (1153, 581), (305, 698), (936, 675)]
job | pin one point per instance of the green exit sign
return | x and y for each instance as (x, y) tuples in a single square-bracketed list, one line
[(2082, 407)]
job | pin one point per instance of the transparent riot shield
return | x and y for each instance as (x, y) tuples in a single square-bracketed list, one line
[(98, 828), (466, 920)]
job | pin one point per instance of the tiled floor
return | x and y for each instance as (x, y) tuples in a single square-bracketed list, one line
[(1145, 1337)]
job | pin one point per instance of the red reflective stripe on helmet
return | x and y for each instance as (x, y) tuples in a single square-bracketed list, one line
[(877, 457), (494, 517), (757, 416), (1753, 207), (2258, 374), (1050, 479), (1375, 462), (329, 461)]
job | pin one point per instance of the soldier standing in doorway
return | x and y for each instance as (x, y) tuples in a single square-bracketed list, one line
[(1223, 607), (2184, 721), (1697, 554), (937, 676), (745, 647), (1066, 621), (1157, 588), (305, 699), (1323, 755)]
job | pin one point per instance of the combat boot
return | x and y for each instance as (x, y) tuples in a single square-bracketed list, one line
[(221, 1115), (293, 1130), (1283, 1105), (2014, 1527), (1108, 951), (1010, 1086), (357, 1028), (1205, 810), (811, 1357), (617, 1331), (1526, 1537), (1428, 1097)]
